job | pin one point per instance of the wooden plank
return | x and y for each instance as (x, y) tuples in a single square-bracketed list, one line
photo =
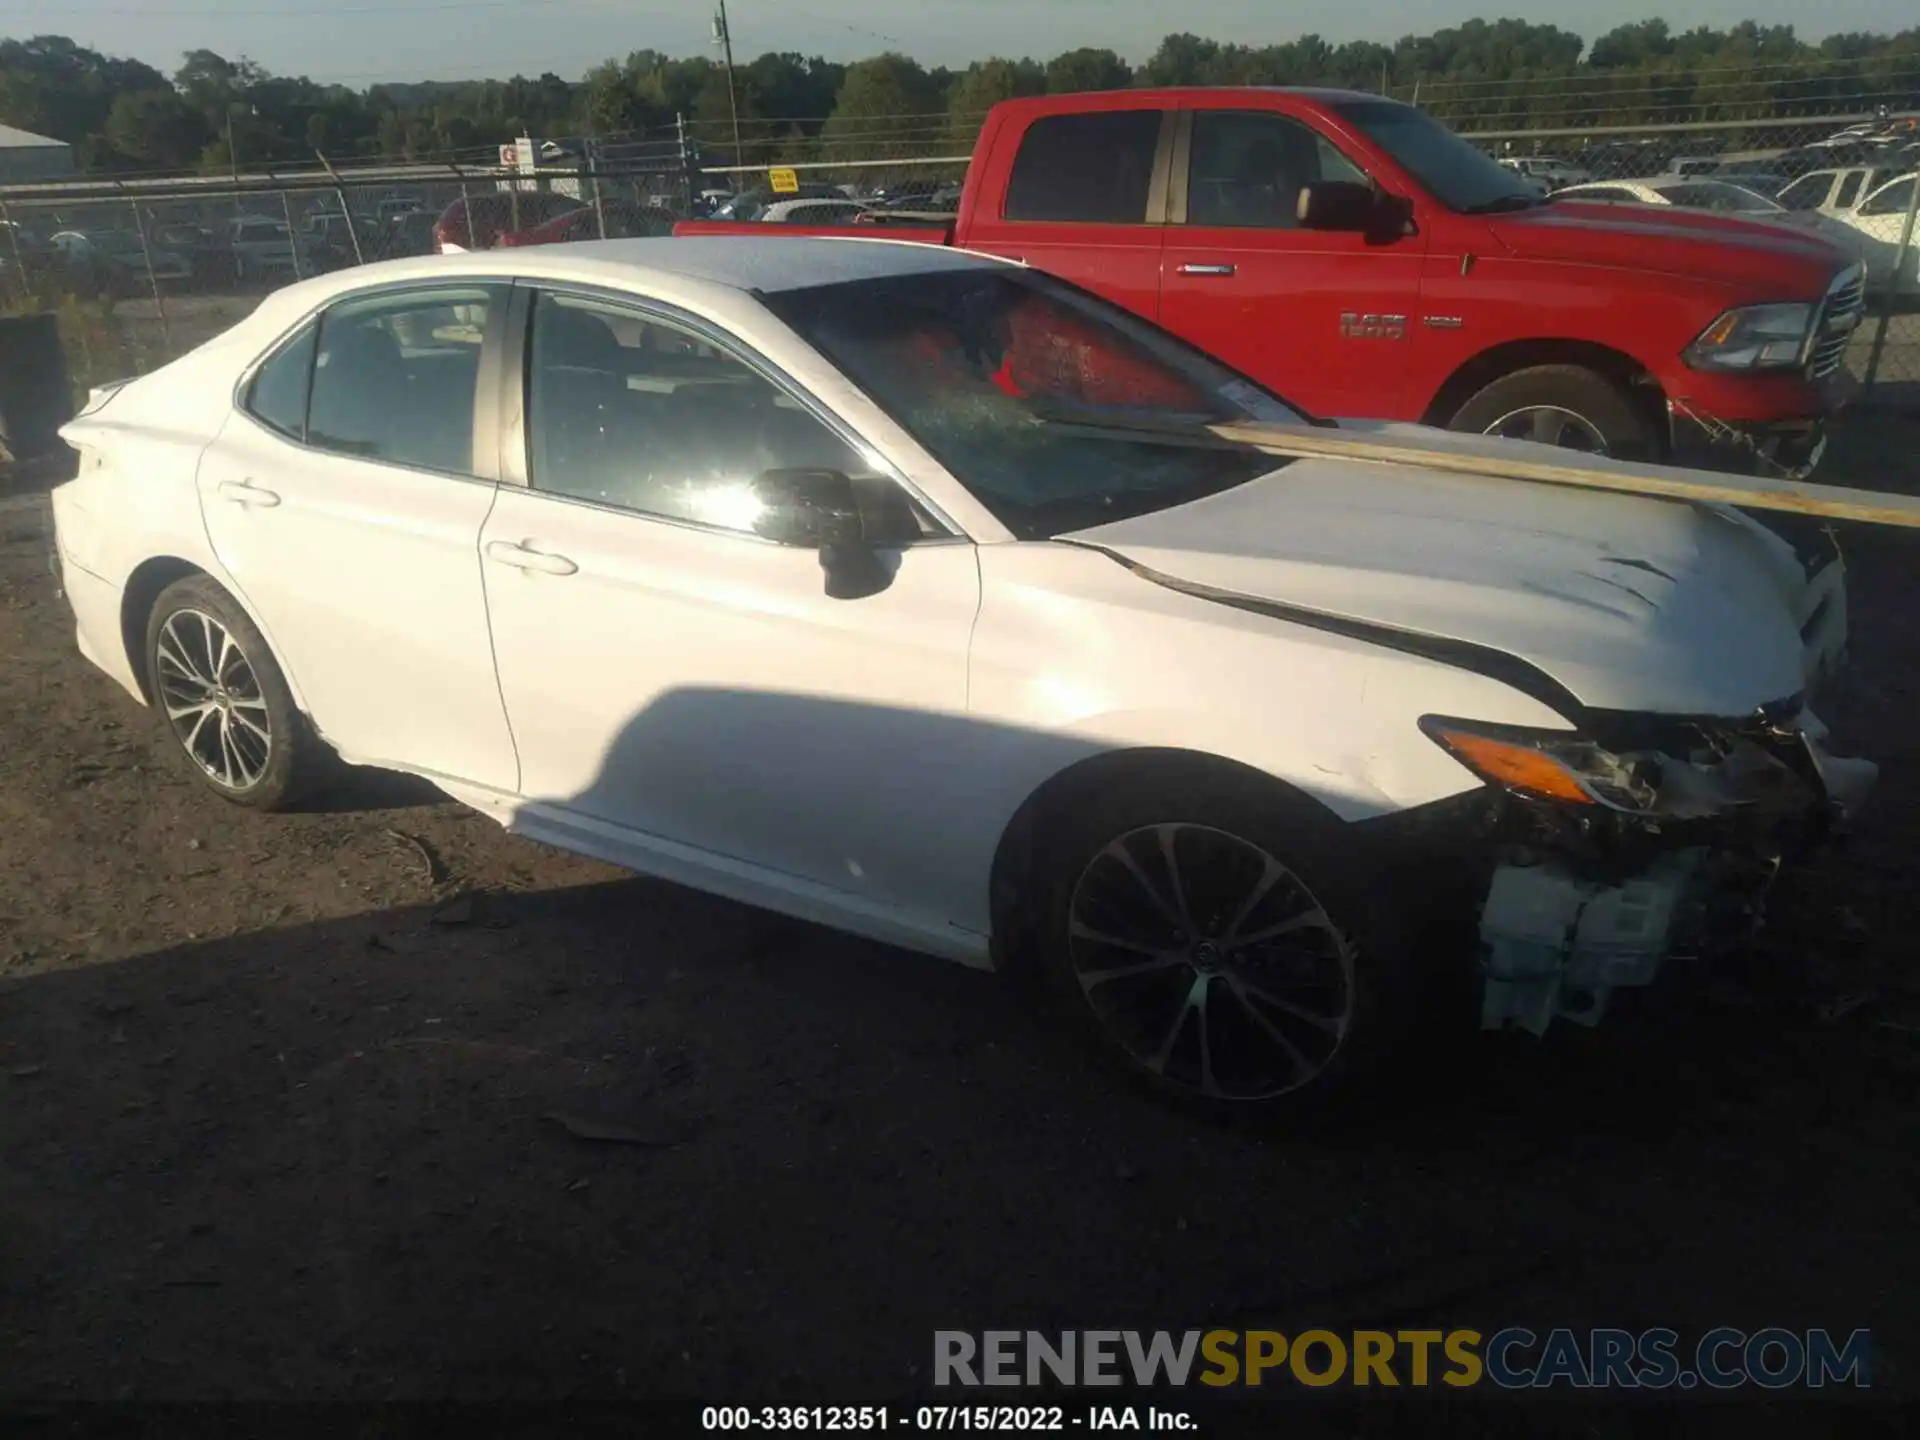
[(1700, 487)]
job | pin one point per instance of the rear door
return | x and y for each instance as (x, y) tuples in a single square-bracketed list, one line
[(1325, 318), (344, 499), (1085, 199)]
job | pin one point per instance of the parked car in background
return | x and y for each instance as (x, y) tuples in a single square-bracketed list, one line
[(1714, 194), (115, 262), (850, 579), (1555, 174), (329, 240), (1350, 251), (611, 220), (752, 204), (411, 233), (476, 222), (1754, 176), (812, 212), (264, 249), (389, 210), (1880, 220)]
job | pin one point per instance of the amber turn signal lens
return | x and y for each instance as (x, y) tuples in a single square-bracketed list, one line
[(1521, 767)]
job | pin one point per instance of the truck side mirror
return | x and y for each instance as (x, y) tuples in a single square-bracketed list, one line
[(1334, 205)]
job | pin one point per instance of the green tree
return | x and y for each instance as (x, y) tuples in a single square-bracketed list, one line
[(1084, 70), (888, 107), (155, 130), (983, 85)]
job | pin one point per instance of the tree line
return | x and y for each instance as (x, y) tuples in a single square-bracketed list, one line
[(212, 113)]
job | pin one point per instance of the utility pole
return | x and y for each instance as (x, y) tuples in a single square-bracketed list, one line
[(723, 37), (233, 156)]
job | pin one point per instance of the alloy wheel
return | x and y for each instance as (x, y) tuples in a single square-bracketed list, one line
[(1551, 425), (213, 700), (1210, 962)]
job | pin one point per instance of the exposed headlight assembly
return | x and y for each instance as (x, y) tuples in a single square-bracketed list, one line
[(1754, 337), (1551, 765)]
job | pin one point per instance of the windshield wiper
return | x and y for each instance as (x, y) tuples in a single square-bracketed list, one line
[(1506, 203)]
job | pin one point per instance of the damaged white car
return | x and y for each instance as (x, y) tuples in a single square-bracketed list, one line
[(772, 567)]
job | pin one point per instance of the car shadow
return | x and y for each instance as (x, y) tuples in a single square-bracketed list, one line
[(358, 788), (630, 1139)]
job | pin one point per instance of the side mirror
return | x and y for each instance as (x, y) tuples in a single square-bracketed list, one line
[(1335, 205), (820, 507), (808, 507), (1348, 205)]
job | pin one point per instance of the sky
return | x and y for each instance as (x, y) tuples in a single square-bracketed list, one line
[(362, 42)]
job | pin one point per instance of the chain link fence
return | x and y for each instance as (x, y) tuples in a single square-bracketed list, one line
[(139, 272)]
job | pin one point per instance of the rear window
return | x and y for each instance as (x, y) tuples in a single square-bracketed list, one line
[(1093, 168)]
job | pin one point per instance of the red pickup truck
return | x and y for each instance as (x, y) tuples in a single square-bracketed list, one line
[(1361, 260)]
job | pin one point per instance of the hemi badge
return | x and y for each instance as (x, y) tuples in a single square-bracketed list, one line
[(1442, 322)]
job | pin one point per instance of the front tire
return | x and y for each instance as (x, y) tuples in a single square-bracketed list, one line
[(1215, 938), (225, 700), (1568, 406)]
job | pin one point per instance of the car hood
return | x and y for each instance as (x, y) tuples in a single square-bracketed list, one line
[(1629, 603), (1675, 240)]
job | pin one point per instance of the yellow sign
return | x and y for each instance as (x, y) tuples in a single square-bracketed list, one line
[(785, 182)]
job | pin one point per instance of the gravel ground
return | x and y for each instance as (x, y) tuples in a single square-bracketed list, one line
[(288, 1109)]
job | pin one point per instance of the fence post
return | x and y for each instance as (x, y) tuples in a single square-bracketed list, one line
[(466, 209), (293, 236), (340, 193), (19, 265), (153, 280), (1892, 301)]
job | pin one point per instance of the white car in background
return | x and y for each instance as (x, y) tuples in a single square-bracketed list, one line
[(1551, 173), (263, 247), (1877, 219), (1699, 193), (827, 574), (812, 212)]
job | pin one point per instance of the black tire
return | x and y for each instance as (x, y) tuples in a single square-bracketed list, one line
[(269, 773), (1584, 402), (1085, 888)]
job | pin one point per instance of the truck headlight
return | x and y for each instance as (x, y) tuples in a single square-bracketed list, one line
[(1754, 337), (1550, 765)]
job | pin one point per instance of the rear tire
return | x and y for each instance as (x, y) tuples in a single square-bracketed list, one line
[(1565, 405), (222, 695), (1221, 942)]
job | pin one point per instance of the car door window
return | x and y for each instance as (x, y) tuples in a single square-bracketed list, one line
[(1093, 168), (1892, 200), (395, 377), (627, 409), (1849, 188), (277, 395), (1248, 168)]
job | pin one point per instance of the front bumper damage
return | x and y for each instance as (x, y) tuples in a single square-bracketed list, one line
[(1580, 905)]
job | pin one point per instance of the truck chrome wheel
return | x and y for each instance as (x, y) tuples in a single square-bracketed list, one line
[(1550, 425), (1209, 962)]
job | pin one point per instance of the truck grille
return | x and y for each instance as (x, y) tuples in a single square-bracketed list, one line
[(1846, 298)]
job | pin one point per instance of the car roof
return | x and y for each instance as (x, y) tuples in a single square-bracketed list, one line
[(677, 268)]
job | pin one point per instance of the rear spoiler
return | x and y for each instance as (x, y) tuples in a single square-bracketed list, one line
[(1699, 487)]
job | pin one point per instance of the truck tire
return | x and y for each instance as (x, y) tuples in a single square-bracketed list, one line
[(1565, 405)]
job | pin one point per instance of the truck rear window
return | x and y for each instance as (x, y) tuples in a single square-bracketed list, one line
[(1095, 168)]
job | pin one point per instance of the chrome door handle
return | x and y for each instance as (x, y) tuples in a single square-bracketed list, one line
[(1207, 270), (245, 492), (523, 557)]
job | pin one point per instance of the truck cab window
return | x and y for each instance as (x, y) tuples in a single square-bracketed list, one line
[(1094, 168)]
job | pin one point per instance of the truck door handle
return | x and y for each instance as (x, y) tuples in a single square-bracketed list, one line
[(525, 557), (245, 492), (1222, 270)]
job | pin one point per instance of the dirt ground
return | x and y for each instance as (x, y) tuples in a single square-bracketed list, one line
[(288, 1110)]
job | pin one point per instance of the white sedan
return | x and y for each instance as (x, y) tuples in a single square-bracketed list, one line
[(827, 575)]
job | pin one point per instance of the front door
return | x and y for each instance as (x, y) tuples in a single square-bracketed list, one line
[(344, 501), (1325, 318), (674, 681)]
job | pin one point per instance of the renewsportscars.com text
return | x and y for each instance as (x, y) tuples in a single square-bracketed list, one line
[(1513, 1358)]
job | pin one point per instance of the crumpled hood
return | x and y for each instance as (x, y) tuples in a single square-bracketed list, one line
[(1794, 260), (1630, 603)]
